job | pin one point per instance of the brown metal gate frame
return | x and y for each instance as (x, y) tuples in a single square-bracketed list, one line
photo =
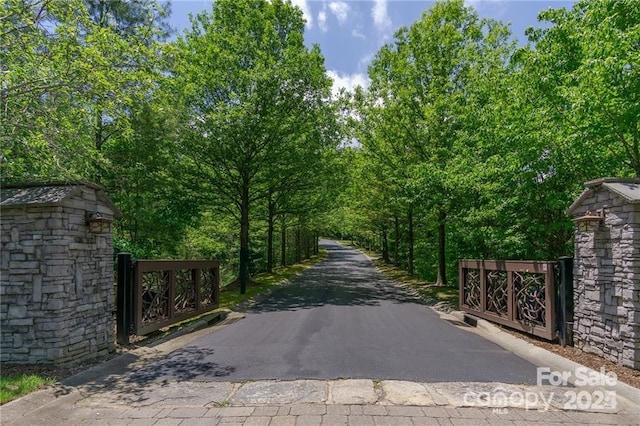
[(158, 307), (511, 293)]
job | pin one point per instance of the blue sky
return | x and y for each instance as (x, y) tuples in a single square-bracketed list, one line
[(350, 32)]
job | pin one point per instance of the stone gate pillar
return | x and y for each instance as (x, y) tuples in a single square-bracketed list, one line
[(57, 287), (607, 270)]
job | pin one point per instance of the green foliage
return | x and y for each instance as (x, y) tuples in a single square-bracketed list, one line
[(461, 129), (145, 182), (585, 68), (422, 98), (227, 143), (42, 69), (84, 97), (257, 101), (68, 79)]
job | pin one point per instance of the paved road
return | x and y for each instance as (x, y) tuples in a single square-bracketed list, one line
[(338, 320), (341, 319)]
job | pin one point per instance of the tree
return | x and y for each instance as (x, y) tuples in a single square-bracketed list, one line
[(586, 67), (380, 127), (70, 73), (253, 89), (292, 190), (425, 76), (134, 62), (41, 70), (567, 117), (145, 181)]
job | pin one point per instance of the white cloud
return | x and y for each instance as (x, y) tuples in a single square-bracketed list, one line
[(302, 4), (322, 21), (498, 7), (341, 10), (381, 19), (356, 33), (347, 81)]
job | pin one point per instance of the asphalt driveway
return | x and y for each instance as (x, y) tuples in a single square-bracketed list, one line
[(341, 319)]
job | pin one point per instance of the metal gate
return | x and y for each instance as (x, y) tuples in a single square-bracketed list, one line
[(152, 294), (517, 294)]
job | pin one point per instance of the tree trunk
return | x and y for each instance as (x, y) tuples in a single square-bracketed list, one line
[(298, 245), (385, 246), (396, 240), (410, 242), (283, 242), (270, 227), (442, 261), (244, 239), (98, 129), (307, 239), (270, 230)]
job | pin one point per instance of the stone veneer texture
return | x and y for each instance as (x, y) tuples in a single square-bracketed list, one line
[(607, 280), (57, 281)]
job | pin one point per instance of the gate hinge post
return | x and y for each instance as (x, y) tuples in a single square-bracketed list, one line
[(124, 298)]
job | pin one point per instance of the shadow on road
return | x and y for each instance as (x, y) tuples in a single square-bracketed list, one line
[(124, 384), (183, 364), (345, 278)]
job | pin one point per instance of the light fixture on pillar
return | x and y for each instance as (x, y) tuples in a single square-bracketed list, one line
[(590, 221), (97, 222)]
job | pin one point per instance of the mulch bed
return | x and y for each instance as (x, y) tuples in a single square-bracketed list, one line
[(51, 371)]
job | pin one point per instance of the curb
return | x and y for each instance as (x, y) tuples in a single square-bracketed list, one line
[(542, 357)]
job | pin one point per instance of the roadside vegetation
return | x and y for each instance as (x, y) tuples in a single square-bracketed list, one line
[(220, 143), (226, 142), (266, 281), (472, 146), (433, 293), (15, 386)]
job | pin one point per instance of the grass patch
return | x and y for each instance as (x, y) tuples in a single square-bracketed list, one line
[(442, 294), (262, 282), (15, 386), (437, 293)]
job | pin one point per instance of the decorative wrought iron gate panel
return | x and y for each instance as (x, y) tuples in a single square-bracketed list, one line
[(517, 294), (169, 291), (156, 293)]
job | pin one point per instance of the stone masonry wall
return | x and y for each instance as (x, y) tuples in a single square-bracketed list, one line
[(57, 283), (607, 281)]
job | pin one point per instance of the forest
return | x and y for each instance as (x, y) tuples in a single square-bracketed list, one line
[(226, 142)]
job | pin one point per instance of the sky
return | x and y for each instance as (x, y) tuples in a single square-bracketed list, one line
[(350, 32)]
